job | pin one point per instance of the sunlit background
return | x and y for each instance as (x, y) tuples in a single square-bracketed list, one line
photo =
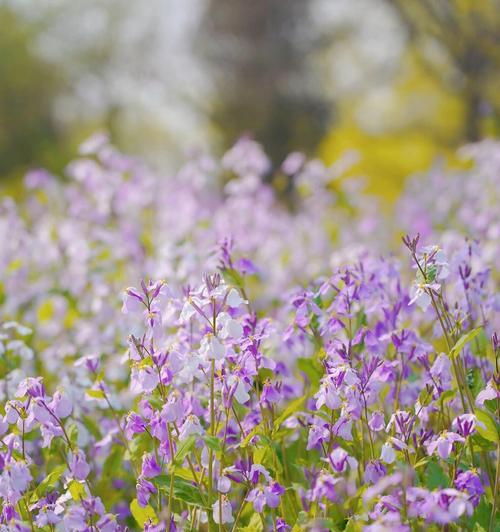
[(403, 82)]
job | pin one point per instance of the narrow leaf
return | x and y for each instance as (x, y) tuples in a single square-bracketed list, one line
[(142, 515), (465, 339)]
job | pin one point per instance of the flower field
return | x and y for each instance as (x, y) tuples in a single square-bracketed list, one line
[(197, 352)]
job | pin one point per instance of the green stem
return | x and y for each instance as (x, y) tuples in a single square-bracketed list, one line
[(212, 432)]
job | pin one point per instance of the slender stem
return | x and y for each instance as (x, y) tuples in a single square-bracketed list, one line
[(497, 482), (212, 432), (171, 489), (240, 510)]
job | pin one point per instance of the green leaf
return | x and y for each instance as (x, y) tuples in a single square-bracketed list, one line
[(311, 368), (77, 490), (293, 407), (184, 473), (113, 462), (480, 346), (422, 462), (465, 339), (184, 448), (480, 519), (435, 477), (92, 427), (232, 277), (256, 430), (72, 431), (259, 454), (187, 492), (486, 426), (138, 445), (254, 525), (184, 490), (482, 443), (96, 394), (212, 442), (447, 396), (353, 525), (48, 482), (142, 515), (265, 373)]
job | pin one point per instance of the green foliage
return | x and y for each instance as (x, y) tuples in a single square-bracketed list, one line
[(435, 477), (142, 515), (486, 426), (48, 483), (465, 339), (184, 490), (28, 87)]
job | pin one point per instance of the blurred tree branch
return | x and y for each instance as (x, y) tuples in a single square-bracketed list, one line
[(469, 32)]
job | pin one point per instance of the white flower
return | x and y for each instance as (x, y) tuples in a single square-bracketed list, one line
[(229, 327), (61, 404), (234, 300), (21, 329), (188, 311), (388, 455), (240, 392), (211, 348), (223, 484), (227, 512), (190, 426), (420, 296)]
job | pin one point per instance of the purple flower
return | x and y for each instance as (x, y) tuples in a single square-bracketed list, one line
[(490, 393), (268, 495), (443, 444), (256, 471), (324, 487), (318, 433), (273, 493), (132, 301), (446, 506), (377, 421), (343, 428), (258, 498), (338, 459), (281, 525), (31, 386), (61, 405), (150, 467), (76, 519), (144, 490), (15, 480), (441, 373), (374, 471), (173, 409), (78, 466), (90, 362), (270, 393), (211, 348), (465, 425), (134, 425), (470, 482), (144, 380), (328, 395)]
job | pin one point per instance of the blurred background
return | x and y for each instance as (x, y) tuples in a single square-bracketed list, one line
[(404, 82)]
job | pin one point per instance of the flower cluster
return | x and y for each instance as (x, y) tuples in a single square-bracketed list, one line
[(266, 374)]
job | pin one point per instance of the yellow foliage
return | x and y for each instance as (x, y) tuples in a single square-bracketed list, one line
[(45, 311), (398, 130)]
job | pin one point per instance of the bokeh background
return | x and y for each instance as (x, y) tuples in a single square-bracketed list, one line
[(402, 82)]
